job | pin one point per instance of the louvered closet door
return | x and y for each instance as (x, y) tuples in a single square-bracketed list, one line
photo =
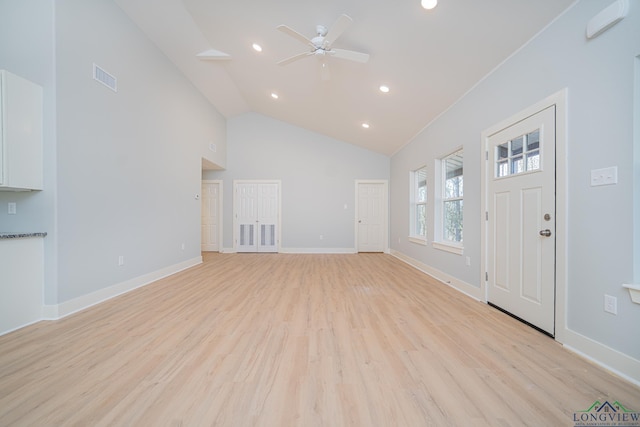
[(257, 216), (267, 217), (246, 217)]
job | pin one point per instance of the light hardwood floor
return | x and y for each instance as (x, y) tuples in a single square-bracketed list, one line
[(295, 340)]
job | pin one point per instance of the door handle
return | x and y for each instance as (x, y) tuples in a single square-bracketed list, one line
[(545, 233)]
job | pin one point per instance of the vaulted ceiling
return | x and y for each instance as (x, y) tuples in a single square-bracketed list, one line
[(427, 58)]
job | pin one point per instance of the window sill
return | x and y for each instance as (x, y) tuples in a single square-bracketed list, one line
[(449, 247), (418, 241)]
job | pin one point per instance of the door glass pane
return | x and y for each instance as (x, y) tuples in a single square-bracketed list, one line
[(503, 151), (503, 168), (533, 140), (533, 161), (519, 155), (517, 165), (516, 146)]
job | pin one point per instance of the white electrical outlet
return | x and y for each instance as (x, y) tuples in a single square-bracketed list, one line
[(468, 261), (610, 304), (11, 210)]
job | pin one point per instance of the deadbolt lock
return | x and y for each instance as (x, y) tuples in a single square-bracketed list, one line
[(547, 217)]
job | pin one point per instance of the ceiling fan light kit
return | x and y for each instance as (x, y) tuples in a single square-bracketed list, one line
[(321, 44)]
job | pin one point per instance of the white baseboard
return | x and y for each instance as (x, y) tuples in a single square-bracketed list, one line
[(612, 360), (58, 311), (460, 285), (619, 363), (309, 251), (317, 250)]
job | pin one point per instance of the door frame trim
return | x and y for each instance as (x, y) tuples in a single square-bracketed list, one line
[(385, 184), (559, 100), (220, 212), (235, 213)]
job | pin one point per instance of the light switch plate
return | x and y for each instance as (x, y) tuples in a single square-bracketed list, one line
[(605, 176), (11, 210)]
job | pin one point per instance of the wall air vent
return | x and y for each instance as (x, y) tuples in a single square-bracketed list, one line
[(105, 78)]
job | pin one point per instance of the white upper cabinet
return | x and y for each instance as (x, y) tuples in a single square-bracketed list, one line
[(21, 133)]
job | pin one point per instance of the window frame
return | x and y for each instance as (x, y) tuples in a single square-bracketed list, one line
[(415, 201), (440, 242)]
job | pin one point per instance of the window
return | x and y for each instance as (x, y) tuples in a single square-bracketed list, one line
[(452, 198), (521, 154), (419, 204)]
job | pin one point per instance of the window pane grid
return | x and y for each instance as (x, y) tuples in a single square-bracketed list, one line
[(452, 197), (419, 203), (519, 155)]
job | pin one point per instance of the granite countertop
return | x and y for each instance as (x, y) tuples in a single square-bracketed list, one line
[(20, 235)]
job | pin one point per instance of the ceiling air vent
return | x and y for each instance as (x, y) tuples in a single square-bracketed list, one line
[(105, 78)]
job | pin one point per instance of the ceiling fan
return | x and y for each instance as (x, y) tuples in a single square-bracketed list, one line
[(321, 45)]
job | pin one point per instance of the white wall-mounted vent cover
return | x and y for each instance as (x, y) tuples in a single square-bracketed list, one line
[(607, 18), (101, 76)]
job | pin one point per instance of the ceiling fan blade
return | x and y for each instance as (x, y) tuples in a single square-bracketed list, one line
[(296, 35), (295, 58), (349, 55), (337, 29)]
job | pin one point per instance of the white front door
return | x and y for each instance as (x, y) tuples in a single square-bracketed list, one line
[(257, 215), (521, 219), (210, 240), (371, 216)]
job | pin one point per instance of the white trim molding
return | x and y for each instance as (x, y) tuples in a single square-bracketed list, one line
[(460, 285), (318, 250), (58, 311), (619, 363)]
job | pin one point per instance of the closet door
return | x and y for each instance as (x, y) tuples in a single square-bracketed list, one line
[(257, 215), (268, 203), (246, 214)]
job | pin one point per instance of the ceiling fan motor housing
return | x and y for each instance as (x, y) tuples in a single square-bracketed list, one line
[(318, 42), (321, 30)]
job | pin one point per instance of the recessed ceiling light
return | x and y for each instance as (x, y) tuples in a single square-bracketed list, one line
[(429, 4), (257, 47), (384, 89), (365, 125), (274, 95)]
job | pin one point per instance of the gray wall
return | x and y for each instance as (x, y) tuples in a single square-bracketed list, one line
[(318, 178), (121, 169), (129, 163), (599, 75)]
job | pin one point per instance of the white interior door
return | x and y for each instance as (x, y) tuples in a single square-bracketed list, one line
[(521, 219), (268, 207), (257, 216), (371, 215), (210, 240)]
